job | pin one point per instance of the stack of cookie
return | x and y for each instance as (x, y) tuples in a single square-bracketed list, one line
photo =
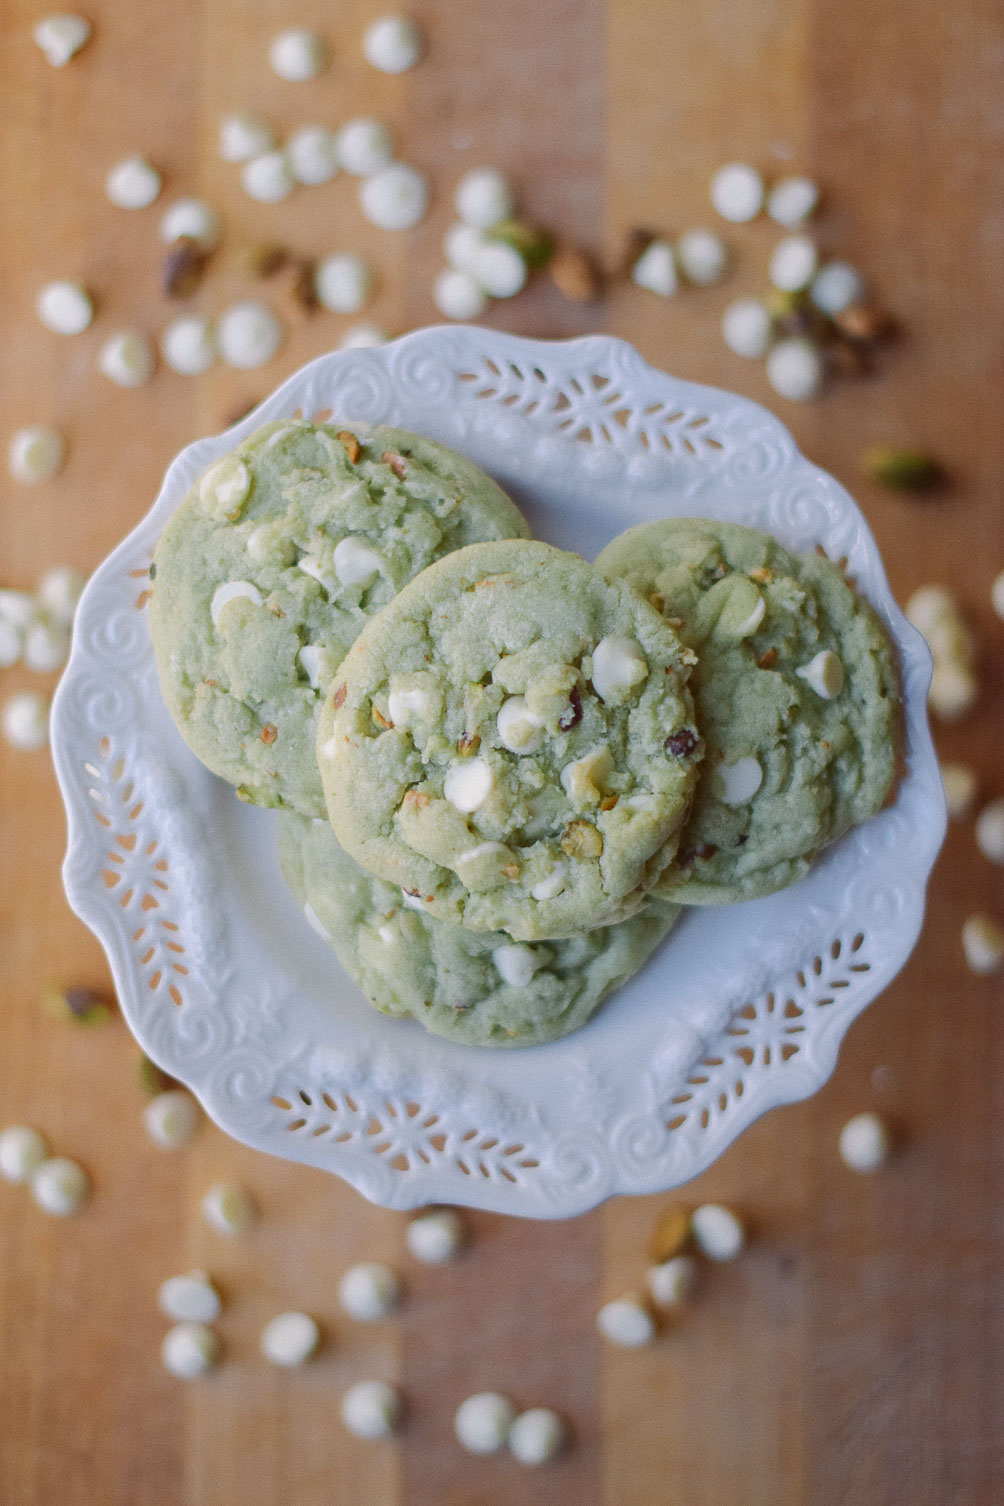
[(501, 771)]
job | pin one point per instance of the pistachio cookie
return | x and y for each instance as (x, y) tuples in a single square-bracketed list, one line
[(275, 560), (797, 700), (512, 741), (479, 988)]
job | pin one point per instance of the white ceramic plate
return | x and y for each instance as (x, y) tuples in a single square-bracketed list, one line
[(228, 989)]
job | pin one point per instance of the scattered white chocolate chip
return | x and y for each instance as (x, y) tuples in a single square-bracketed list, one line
[(412, 901), (536, 1436), (461, 244), (702, 257), (483, 1421), (794, 263), (519, 729), (311, 154), (396, 198), (243, 137), (59, 1186), (932, 611), (289, 1339), (11, 643), (515, 964), (483, 198), (795, 369), (191, 219), (297, 54), (342, 283), (467, 785), (355, 563), (188, 345), (232, 590), (835, 287), (189, 1350), (66, 308), (35, 454), (823, 674), (997, 594), (22, 1152), (18, 607), (990, 831), (737, 192), (171, 1118), (226, 485), (25, 721), (61, 37), (618, 666), (268, 179), (737, 783), (59, 592), (718, 1232), (433, 1238), (127, 359), (362, 337), (189, 1299), (369, 1291), (133, 183), (954, 690), (311, 657), (791, 201), (498, 269), (364, 147), (865, 1143), (249, 335), (655, 269), (672, 1281), (315, 569), (551, 885), (314, 921), (747, 328), (392, 44), (372, 1409), (46, 647), (228, 1208), (983, 943), (457, 295), (961, 786), (626, 1322), (403, 705)]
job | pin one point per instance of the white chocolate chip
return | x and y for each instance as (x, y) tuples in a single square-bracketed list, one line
[(59, 592), (498, 269), (312, 659), (747, 328), (435, 1237), (718, 1231), (311, 154), (737, 783), (297, 54), (404, 706), (865, 1143), (551, 885), (61, 37), (189, 1299), (35, 454), (618, 666), (702, 257), (188, 345), (584, 779), (519, 729), (225, 486), (737, 192), (25, 721), (133, 183), (794, 263), (316, 571), (655, 269), (243, 137), (483, 198), (795, 369), (990, 831), (127, 359), (342, 283), (627, 1322), (315, 922), (515, 964), (364, 147), (268, 179), (228, 1208), (672, 1282), (171, 1119), (823, 674), (392, 44), (954, 690), (983, 943), (18, 607), (191, 219), (372, 1409), (232, 590), (467, 785), (457, 295), (461, 244), (60, 1187), (413, 901), (66, 308), (369, 1291), (22, 1152), (536, 1436), (11, 643), (835, 287), (355, 563), (249, 335), (791, 201), (396, 198), (189, 1350), (362, 337), (997, 594), (483, 1421), (46, 647), (289, 1339), (961, 786)]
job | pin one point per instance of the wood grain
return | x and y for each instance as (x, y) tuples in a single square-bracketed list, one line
[(853, 1355)]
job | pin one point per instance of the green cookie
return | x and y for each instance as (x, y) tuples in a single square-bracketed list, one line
[(475, 987), (797, 700), (512, 740), (273, 563)]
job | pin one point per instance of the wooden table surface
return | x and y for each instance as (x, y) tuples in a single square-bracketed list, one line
[(853, 1355)]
